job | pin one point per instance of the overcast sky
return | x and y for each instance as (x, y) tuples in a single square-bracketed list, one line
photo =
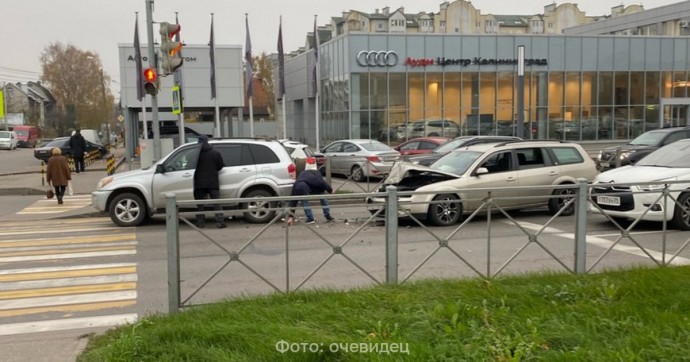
[(28, 26)]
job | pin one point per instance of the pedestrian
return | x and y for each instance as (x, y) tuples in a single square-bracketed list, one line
[(78, 145), (310, 182), (58, 173), (206, 181)]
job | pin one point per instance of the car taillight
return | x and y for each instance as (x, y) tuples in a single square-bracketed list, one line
[(292, 170), (373, 159)]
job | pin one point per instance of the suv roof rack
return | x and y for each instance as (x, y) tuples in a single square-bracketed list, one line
[(525, 141)]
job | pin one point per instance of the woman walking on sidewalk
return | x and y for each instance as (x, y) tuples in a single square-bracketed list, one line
[(58, 173)]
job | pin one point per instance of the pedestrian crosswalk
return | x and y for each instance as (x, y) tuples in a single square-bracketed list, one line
[(66, 274), (50, 206)]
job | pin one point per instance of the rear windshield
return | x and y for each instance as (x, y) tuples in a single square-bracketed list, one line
[(375, 146)]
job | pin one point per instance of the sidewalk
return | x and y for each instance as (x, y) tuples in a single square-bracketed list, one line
[(83, 183)]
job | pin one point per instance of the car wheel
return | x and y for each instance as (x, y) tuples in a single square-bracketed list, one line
[(446, 210), (681, 213), (560, 198), (357, 173), (260, 210), (127, 209)]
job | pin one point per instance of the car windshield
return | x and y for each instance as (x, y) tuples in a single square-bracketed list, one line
[(456, 162), (56, 143), (375, 146), (675, 155), (648, 139), (450, 145), (22, 133), (4, 135)]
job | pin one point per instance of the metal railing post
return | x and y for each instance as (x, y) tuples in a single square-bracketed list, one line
[(392, 235), (329, 176), (581, 226), (173, 237)]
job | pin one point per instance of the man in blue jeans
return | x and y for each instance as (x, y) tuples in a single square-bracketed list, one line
[(310, 182)]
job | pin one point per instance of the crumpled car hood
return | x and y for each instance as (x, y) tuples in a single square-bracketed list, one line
[(406, 170)]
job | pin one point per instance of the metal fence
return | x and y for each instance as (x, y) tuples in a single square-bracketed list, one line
[(376, 249)]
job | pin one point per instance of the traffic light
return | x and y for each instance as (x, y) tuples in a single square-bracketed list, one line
[(150, 81), (170, 48)]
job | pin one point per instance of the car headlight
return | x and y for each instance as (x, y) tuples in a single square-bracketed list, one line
[(104, 182), (655, 187)]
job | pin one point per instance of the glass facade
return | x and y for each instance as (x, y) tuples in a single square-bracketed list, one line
[(576, 87)]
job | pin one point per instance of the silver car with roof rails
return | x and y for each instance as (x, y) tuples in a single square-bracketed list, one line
[(498, 166), (254, 168)]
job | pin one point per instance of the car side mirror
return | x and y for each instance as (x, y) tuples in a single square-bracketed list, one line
[(160, 168), (481, 171)]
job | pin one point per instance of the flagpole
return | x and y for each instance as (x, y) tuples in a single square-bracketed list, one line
[(317, 101), (214, 96), (281, 76), (249, 74)]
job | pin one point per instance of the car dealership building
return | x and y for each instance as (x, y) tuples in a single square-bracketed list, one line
[(577, 87)]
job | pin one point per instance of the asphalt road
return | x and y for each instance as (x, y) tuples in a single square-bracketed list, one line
[(67, 271)]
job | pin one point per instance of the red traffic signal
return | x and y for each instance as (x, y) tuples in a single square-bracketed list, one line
[(150, 81)]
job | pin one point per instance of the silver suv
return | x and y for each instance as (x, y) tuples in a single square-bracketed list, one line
[(253, 168)]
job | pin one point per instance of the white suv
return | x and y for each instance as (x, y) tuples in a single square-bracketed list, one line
[(253, 168)]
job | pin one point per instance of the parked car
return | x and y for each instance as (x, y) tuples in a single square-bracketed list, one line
[(490, 166), (429, 128), (585, 129), (462, 141), (640, 147), (253, 169), (421, 145), (668, 163), (27, 136), (8, 140), (44, 153), (299, 150), (360, 158)]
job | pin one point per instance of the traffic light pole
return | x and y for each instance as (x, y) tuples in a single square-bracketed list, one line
[(154, 98)]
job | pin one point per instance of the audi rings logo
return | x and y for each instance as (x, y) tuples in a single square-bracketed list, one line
[(380, 58)]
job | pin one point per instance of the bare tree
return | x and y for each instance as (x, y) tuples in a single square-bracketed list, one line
[(74, 78)]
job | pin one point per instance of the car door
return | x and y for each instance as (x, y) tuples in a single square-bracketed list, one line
[(334, 153), (350, 156), (535, 169), (409, 148), (176, 176), (239, 170), (502, 173)]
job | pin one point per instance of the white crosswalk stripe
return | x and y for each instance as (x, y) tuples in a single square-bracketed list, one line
[(50, 206), (66, 274)]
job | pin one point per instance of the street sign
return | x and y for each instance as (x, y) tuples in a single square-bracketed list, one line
[(176, 100), (120, 118)]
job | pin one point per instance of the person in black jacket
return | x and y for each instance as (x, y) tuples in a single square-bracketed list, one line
[(206, 181), (310, 182), (77, 143)]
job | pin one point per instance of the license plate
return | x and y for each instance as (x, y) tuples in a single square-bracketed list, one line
[(609, 200)]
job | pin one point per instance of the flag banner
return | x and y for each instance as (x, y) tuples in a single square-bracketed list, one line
[(281, 63), (137, 59), (315, 46), (249, 71), (212, 56)]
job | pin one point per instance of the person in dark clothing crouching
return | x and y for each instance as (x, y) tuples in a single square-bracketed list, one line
[(206, 181), (310, 182)]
